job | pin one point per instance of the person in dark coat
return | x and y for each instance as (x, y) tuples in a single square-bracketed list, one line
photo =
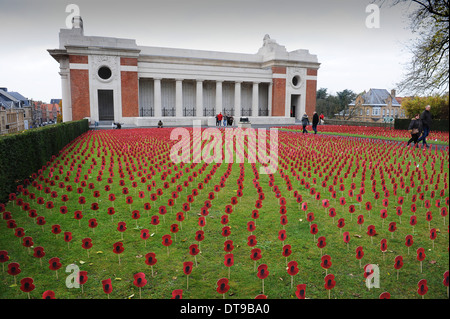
[(415, 128), (426, 124), (315, 122), (305, 122)]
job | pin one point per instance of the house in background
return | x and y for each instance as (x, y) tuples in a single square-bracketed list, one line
[(376, 106), (15, 112)]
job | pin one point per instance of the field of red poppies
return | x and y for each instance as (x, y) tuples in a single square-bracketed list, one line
[(113, 217), (374, 132)]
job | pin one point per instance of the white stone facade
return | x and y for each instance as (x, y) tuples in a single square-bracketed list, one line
[(177, 86)]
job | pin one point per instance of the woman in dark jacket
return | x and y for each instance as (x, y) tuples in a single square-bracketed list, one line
[(315, 122), (415, 128), (305, 122)]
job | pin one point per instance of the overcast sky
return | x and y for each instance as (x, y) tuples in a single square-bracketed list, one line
[(352, 56)]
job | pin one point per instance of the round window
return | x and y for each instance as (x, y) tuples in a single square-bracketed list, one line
[(104, 73), (296, 80)]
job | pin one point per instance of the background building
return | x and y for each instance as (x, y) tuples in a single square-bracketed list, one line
[(376, 105), (109, 79)]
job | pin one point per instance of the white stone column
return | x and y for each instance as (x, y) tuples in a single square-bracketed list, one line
[(237, 101), (157, 97), (270, 99), (218, 97), (65, 88), (199, 98), (179, 98), (255, 99)]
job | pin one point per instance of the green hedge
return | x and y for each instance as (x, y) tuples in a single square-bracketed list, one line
[(22, 154), (437, 125)]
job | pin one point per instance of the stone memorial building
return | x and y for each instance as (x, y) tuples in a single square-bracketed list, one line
[(109, 79)]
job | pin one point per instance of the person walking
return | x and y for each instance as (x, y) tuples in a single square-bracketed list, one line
[(426, 125), (225, 117), (415, 128), (315, 122), (219, 118), (305, 122)]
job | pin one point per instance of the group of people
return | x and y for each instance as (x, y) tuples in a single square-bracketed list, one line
[(224, 120), (315, 121), (420, 124)]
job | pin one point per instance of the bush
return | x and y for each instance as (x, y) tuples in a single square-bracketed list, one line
[(24, 153), (437, 125)]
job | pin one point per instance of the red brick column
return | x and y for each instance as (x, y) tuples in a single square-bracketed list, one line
[(311, 89), (130, 89), (79, 89), (278, 92)]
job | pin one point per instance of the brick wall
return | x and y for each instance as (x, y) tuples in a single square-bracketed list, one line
[(130, 91), (278, 92), (79, 88), (311, 90)]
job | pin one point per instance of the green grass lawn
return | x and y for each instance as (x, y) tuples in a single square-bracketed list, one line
[(102, 263)]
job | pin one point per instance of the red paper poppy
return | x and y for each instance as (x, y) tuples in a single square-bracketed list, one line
[(14, 269), (177, 294), (224, 219), (329, 281), (310, 217), (19, 232), (3, 256), (56, 229), (262, 273), (93, 223), (135, 214), (121, 227), (118, 248), (251, 241), (167, 240), (409, 240), (383, 245), (26, 284), (321, 242), (150, 259), (301, 291), (179, 216), (107, 286), (82, 277), (154, 220), (38, 252), (193, 250), (222, 286), (48, 294), (314, 229), (27, 241), (187, 267), (67, 236), (139, 280), (398, 262), (286, 251), (78, 215), (86, 243), (392, 227), (228, 246), (229, 260), (360, 220), (422, 287), (199, 235), (292, 268), (304, 206), (226, 231), (446, 280), (371, 230), (54, 263), (420, 254), (359, 252), (413, 220), (326, 261), (145, 234), (255, 254), (433, 233), (282, 235), (332, 212), (341, 223)]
